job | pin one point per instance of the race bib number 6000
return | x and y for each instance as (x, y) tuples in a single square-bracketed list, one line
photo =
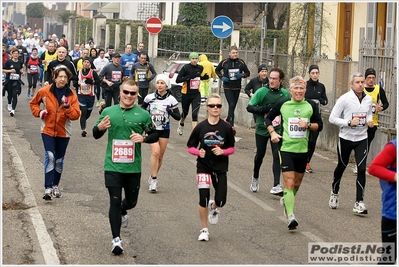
[(204, 180), (122, 151)]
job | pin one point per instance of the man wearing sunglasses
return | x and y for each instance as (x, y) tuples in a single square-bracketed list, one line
[(112, 77), (128, 127)]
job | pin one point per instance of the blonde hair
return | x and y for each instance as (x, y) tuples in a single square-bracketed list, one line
[(213, 95)]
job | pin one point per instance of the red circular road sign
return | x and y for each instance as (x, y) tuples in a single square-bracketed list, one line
[(153, 25)]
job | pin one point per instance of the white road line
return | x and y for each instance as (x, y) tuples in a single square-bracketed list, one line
[(46, 244), (312, 237), (260, 203)]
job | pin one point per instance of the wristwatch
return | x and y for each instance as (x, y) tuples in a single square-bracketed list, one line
[(309, 125), (349, 122)]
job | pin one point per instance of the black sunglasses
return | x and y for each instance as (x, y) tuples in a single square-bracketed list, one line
[(126, 92), (215, 105)]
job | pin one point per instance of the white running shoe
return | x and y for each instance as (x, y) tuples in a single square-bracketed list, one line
[(277, 190), (56, 191), (9, 107), (12, 113), (213, 214), (359, 208), (47, 193), (117, 246), (354, 169), (153, 185), (204, 235), (180, 129), (254, 187), (292, 223), (333, 203), (125, 220)]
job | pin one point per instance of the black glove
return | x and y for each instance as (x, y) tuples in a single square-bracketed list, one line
[(194, 75), (147, 79), (205, 77), (88, 81)]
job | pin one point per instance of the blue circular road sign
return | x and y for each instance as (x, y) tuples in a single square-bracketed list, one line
[(222, 26)]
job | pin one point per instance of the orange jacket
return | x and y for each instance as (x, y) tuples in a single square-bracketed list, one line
[(58, 122)]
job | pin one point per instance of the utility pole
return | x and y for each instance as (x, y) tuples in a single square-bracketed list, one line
[(263, 34)]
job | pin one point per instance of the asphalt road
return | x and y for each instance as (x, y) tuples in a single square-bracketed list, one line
[(164, 227)]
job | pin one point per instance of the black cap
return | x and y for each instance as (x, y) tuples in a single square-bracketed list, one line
[(111, 47), (262, 67), (116, 54), (86, 58), (369, 71), (313, 67)]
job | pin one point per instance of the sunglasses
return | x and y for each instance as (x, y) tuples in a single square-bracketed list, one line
[(215, 105), (132, 93)]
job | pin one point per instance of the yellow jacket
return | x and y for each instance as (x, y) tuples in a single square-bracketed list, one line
[(208, 67)]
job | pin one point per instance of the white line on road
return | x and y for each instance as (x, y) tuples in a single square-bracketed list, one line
[(260, 203), (46, 244)]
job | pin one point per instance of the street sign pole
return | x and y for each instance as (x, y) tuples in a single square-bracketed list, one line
[(153, 26), (221, 27)]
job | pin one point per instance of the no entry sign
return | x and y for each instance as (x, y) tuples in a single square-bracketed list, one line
[(153, 25)]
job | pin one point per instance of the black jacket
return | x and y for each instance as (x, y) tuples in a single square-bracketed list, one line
[(254, 84), (316, 90), (230, 67)]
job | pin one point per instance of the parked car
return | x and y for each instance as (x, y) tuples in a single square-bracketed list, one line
[(173, 69)]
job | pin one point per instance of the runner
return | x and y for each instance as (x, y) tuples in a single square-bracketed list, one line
[(298, 116), (212, 141)]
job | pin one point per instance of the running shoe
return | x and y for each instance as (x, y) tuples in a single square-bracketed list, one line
[(333, 203), (12, 113), (359, 208), (204, 235), (292, 223), (56, 191), (125, 220), (277, 190), (213, 215), (180, 129), (9, 107), (283, 204), (254, 187), (308, 169), (153, 185), (84, 133), (117, 246), (47, 193)]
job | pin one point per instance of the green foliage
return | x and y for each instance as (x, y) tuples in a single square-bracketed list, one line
[(65, 15), (35, 10), (84, 30), (193, 14)]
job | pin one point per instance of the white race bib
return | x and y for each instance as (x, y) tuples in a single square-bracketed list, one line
[(204, 180), (294, 131), (122, 151)]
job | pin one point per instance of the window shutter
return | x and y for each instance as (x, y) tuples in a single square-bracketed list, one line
[(371, 21)]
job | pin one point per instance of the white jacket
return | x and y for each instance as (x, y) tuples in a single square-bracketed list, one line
[(346, 108)]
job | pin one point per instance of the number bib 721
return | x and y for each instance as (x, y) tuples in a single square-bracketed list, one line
[(122, 151)]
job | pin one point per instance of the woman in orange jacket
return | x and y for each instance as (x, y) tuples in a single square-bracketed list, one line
[(57, 106)]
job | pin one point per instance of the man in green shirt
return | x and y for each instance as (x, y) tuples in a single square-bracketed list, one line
[(298, 117), (260, 104), (125, 122)]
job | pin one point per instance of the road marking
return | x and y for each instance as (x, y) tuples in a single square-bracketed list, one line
[(250, 197), (312, 237), (44, 239)]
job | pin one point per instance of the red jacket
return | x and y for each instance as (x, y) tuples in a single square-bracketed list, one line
[(58, 122)]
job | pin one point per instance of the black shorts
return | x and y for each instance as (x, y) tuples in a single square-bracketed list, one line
[(163, 133), (117, 179), (293, 162)]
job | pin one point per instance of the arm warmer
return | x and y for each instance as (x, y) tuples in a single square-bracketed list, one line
[(97, 134), (229, 151), (175, 113), (193, 151)]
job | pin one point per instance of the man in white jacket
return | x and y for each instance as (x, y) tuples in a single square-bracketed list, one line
[(353, 114)]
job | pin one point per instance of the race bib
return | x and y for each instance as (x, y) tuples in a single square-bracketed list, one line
[(204, 180), (85, 89), (232, 72), (122, 151), (33, 69), (141, 75), (362, 118), (195, 83), (116, 76), (14, 76), (159, 117), (294, 131), (129, 65)]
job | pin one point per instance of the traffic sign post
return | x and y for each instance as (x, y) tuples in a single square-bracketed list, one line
[(153, 26), (222, 27)]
